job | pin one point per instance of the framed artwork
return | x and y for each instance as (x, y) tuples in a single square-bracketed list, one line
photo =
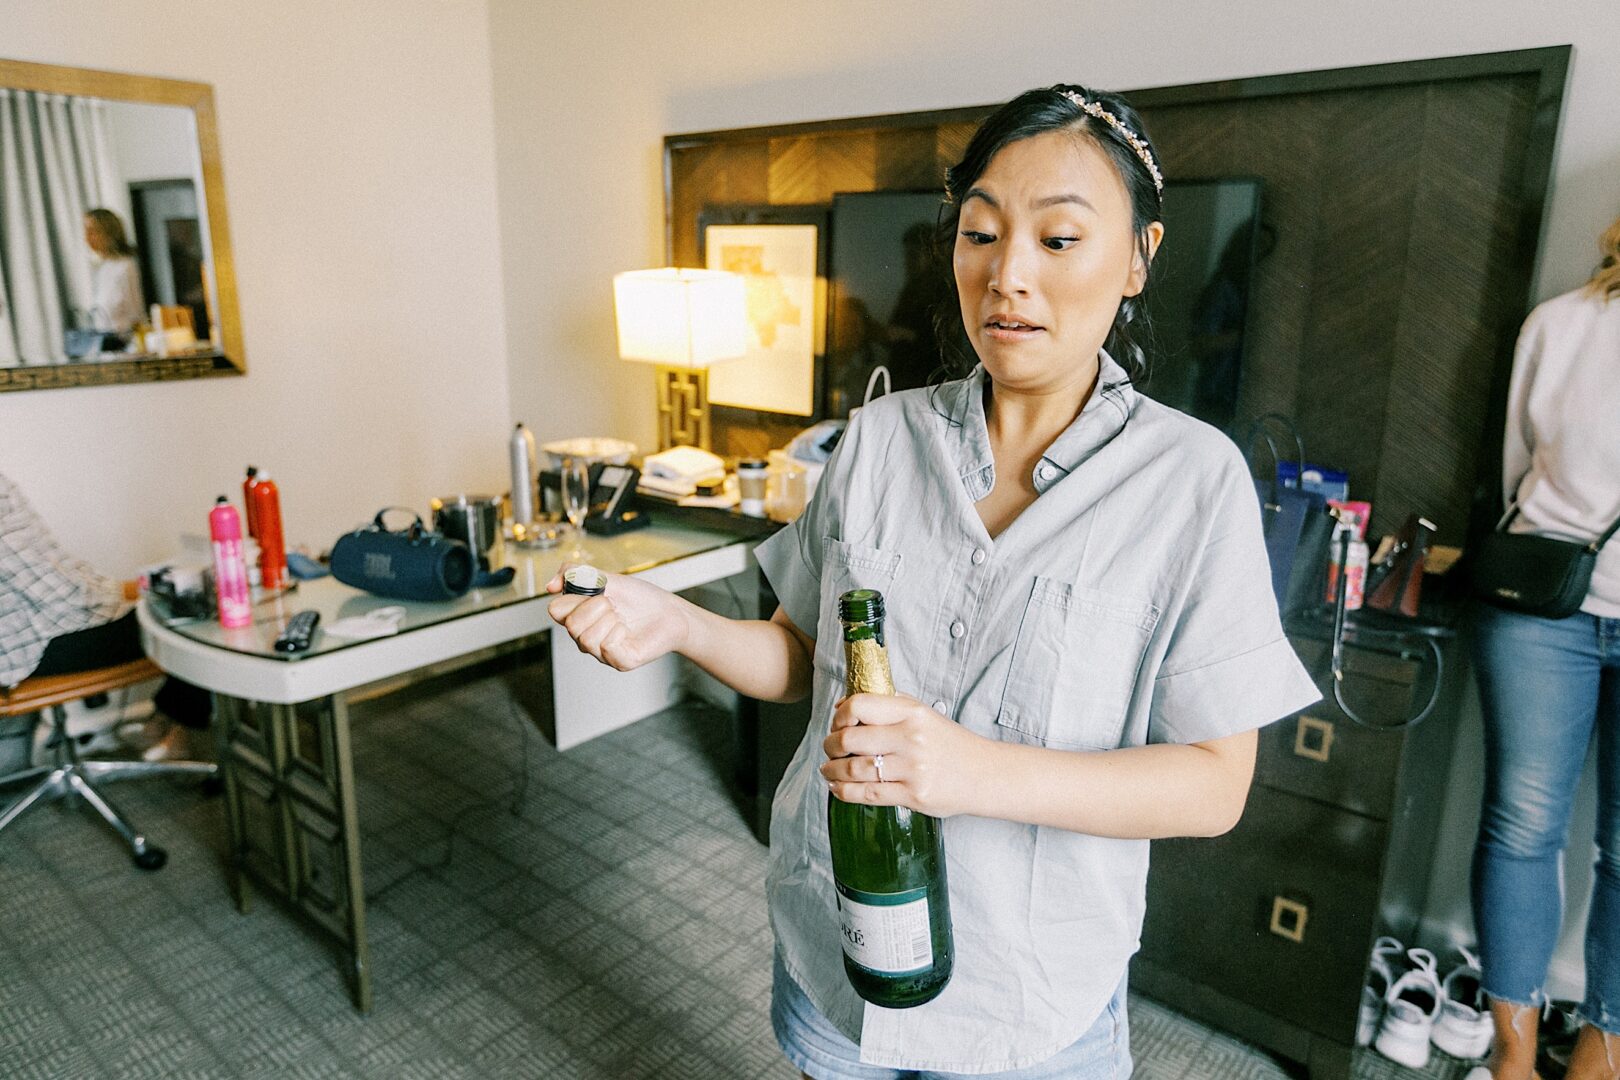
[(781, 251)]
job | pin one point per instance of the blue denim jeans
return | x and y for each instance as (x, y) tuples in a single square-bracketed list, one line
[(823, 1052), (1547, 686)]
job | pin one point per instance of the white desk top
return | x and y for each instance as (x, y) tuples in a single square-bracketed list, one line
[(243, 663)]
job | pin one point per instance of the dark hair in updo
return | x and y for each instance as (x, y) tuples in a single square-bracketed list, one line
[(1036, 112)]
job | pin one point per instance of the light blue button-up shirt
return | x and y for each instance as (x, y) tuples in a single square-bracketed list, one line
[(1130, 603)]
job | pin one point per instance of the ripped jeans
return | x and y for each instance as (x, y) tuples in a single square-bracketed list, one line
[(1547, 687)]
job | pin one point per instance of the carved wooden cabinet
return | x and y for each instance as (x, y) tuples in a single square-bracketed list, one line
[(1265, 931), (291, 816)]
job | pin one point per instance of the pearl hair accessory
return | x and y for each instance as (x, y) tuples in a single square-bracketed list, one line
[(1091, 108)]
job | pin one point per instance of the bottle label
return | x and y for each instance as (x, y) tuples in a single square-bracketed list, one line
[(886, 933)]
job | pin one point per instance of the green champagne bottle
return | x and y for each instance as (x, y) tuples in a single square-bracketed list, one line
[(888, 861)]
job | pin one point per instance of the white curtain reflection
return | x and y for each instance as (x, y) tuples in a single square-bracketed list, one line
[(56, 163)]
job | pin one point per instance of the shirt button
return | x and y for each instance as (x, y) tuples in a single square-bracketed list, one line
[(1047, 471), (957, 629), (978, 556), (939, 707)]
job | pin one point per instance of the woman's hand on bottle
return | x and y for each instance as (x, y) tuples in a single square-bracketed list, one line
[(930, 763), (629, 624)]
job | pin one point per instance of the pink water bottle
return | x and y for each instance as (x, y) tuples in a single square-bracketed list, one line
[(230, 568)]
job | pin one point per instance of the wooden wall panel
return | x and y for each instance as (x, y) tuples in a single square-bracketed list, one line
[(735, 174), (908, 160), (1460, 308), (811, 169), (1378, 320)]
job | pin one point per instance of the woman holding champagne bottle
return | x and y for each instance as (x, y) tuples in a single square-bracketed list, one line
[(1075, 604)]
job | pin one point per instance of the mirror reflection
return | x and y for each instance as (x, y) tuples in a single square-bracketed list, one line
[(105, 247)]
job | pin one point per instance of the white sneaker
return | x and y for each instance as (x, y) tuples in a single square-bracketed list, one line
[(1464, 1028), (1375, 989), (1479, 1072), (1409, 1013)]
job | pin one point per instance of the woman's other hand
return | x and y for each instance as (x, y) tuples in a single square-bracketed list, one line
[(930, 763), (629, 624)]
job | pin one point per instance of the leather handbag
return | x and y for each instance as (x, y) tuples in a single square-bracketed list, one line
[(1397, 583), (410, 564), (1535, 574), (1297, 524)]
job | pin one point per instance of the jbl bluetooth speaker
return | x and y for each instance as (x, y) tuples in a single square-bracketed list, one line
[(412, 564)]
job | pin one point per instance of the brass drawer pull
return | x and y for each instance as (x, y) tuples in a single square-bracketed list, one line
[(1323, 743), (1294, 912)]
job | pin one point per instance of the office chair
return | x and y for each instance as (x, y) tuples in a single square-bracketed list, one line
[(70, 776)]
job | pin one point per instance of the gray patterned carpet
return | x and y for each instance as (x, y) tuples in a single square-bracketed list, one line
[(613, 929)]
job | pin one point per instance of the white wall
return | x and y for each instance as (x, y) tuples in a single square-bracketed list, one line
[(359, 165), (583, 96)]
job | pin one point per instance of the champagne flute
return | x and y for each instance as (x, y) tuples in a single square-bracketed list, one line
[(576, 492)]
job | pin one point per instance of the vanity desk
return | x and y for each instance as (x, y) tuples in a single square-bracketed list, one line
[(282, 726)]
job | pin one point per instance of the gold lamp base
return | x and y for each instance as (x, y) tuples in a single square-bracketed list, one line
[(683, 407)]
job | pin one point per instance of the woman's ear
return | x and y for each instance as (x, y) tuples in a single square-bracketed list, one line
[(1151, 236)]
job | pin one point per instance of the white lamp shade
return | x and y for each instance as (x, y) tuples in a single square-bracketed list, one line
[(681, 318)]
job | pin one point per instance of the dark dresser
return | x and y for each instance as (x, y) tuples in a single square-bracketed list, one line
[(1265, 931)]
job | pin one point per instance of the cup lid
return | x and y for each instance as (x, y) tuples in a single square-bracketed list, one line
[(585, 580)]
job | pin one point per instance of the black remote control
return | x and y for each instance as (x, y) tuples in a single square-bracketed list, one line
[(299, 632)]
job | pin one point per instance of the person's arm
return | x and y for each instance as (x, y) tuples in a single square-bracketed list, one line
[(941, 768), (633, 623), (64, 593), (1517, 445)]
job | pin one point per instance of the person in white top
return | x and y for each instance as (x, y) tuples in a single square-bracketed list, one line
[(116, 304), (1547, 685)]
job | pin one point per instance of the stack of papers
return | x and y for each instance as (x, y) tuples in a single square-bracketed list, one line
[(684, 492)]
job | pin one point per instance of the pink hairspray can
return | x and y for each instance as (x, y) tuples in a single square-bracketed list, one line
[(230, 568)]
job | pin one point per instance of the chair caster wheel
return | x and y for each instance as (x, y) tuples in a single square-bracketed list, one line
[(152, 858), (213, 786)]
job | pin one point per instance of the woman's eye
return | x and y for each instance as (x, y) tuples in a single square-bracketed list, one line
[(1060, 243), (974, 237)]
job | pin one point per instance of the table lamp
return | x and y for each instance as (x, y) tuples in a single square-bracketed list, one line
[(683, 321)]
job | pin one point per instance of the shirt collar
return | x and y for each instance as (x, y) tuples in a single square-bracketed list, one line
[(1103, 417)]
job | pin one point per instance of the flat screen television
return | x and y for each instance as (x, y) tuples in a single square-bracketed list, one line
[(886, 284), (1198, 300)]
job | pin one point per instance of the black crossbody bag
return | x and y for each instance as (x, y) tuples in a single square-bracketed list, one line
[(1535, 574)]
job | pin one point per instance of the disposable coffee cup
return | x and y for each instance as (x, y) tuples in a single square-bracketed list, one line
[(751, 482)]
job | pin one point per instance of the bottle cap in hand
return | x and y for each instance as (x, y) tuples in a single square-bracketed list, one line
[(584, 581)]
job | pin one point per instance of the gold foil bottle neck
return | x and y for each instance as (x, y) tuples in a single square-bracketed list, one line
[(868, 667)]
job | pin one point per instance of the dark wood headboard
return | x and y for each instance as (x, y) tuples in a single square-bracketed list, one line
[(1406, 201)]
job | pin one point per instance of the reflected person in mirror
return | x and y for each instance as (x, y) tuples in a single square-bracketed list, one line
[(116, 301), (1079, 600)]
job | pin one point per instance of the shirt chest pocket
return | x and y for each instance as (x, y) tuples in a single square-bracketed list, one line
[(1074, 666), (845, 567)]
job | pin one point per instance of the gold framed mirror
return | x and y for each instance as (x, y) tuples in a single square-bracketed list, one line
[(115, 251)]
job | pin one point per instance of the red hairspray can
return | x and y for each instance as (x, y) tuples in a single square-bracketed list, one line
[(264, 511), (247, 502), (230, 572)]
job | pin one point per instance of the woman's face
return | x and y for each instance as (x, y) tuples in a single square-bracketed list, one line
[(95, 237), (1044, 253)]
